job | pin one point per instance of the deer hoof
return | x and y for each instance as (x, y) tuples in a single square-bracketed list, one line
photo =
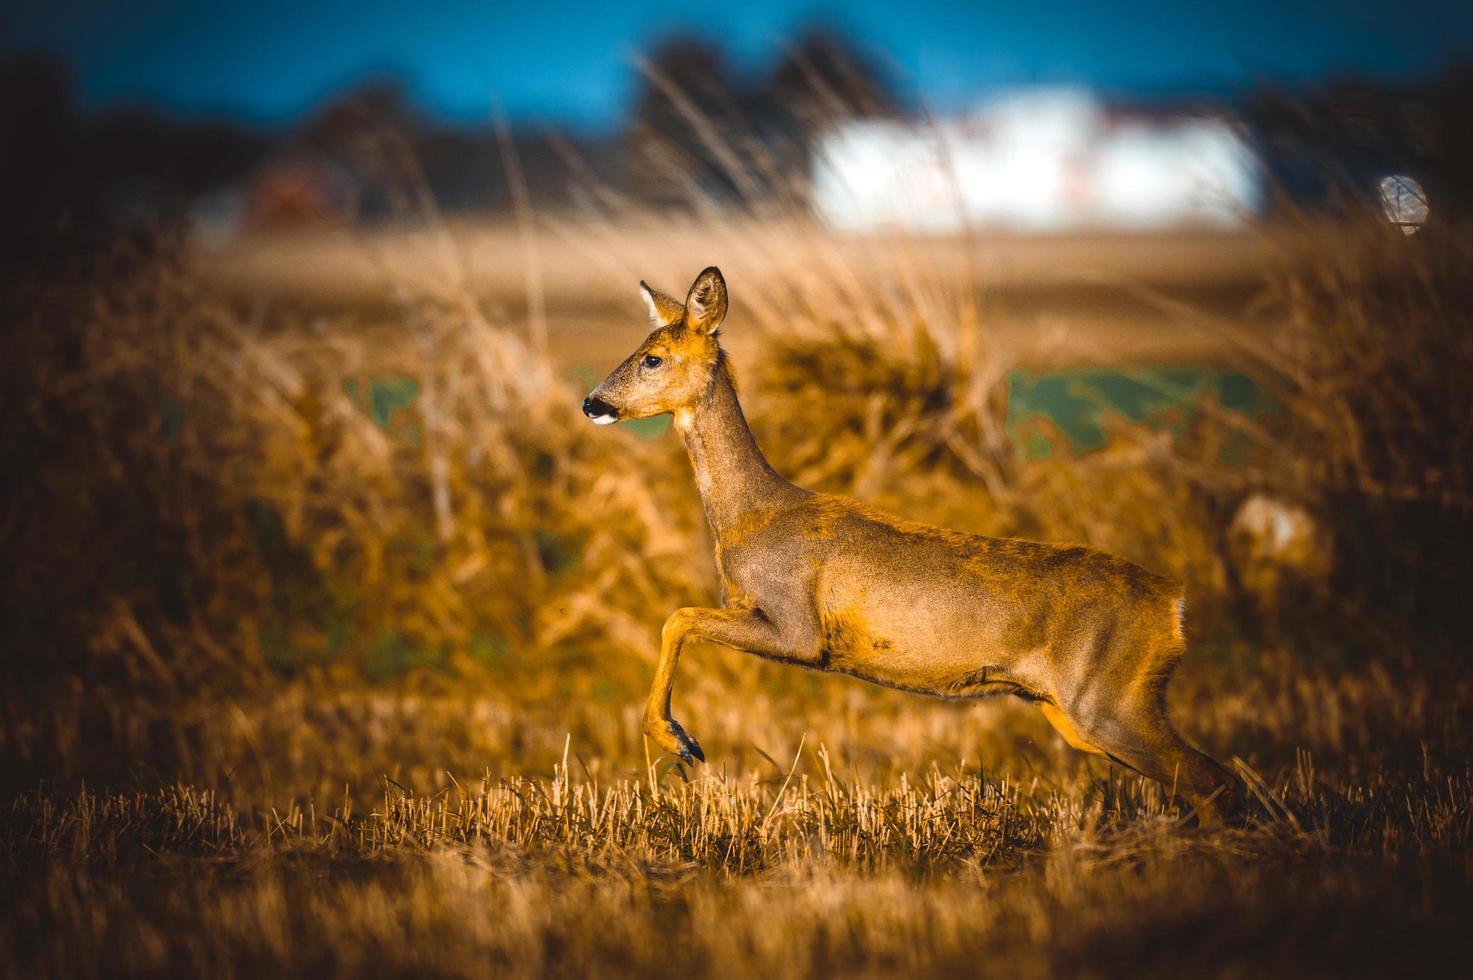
[(668, 734)]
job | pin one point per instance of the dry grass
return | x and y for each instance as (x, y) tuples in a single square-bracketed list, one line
[(799, 873), (1051, 302)]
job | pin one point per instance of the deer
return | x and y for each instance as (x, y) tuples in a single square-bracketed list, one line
[(828, 583)]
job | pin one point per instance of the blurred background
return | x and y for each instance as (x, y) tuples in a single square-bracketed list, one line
[(327, 620), (302, 300)]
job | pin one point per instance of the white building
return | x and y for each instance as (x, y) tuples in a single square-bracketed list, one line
[(1036, 160)]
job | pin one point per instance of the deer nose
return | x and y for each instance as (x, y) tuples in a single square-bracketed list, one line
[(600, 411)]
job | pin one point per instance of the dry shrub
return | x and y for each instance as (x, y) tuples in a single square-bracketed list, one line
[(1370, 360), (845, 411), (198, 501)]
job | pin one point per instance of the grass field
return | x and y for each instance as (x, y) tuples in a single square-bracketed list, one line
[(1355, 861), (1051, 301), (328, 619)]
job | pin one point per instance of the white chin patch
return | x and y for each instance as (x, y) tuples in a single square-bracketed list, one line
[(604, 419)]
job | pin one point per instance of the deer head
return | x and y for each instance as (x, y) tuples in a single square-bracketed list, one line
[(673, 368)]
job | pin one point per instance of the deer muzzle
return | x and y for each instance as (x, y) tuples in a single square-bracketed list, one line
[(600, 411)]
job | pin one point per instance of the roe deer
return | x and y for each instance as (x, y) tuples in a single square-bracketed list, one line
[(828, 583)]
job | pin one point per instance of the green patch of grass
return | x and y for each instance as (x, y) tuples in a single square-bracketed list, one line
[(1077, 401), (388, 400)]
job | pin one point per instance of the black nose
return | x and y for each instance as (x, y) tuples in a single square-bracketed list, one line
[(598, 408)]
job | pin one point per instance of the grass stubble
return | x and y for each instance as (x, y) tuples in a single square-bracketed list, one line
[(784, 873)]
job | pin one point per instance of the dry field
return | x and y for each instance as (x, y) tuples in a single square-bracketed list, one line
[(1051, 301), (327, 618)]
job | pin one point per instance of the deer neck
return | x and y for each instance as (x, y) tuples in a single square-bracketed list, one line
[(734, 478)]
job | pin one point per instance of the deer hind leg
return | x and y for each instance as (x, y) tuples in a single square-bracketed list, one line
[(1135, 732), (1140, 735)]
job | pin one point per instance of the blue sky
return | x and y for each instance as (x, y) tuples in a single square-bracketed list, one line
[(567, 63)]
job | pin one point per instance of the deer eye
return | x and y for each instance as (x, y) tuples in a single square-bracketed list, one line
[(651, 361)]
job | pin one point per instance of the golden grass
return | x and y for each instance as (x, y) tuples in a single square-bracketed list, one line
[(784, 874)]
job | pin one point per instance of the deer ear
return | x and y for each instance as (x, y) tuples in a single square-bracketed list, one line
[(705, 306), (664, 310)]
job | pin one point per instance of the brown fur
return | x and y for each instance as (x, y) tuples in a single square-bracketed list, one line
[(827, 583)]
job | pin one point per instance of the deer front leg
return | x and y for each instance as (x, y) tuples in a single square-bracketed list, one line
[(742, 629)]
